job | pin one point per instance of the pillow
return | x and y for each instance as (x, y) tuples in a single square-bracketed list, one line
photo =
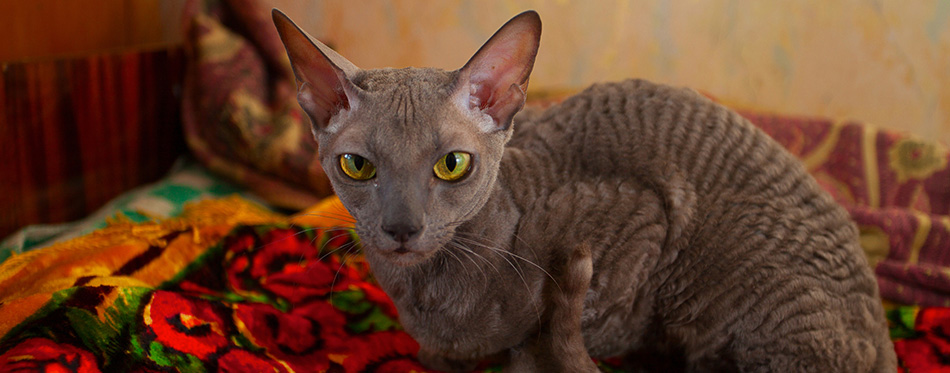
[(239, 112)]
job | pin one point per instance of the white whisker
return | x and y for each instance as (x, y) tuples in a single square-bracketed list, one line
[(469, 253), (518, 270), (342, 265)]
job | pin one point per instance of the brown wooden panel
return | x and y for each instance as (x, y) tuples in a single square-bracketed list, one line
[(55, 28), (78, 132)]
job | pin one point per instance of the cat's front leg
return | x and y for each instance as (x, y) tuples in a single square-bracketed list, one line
[(559, 346)]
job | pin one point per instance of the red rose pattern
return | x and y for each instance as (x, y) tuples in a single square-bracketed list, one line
[(385, 352), (259, 303), (375, 295), (239, 361), (928, 350), (188, 325), (285, 264), (44, 355), (303, 338), (278, 316)]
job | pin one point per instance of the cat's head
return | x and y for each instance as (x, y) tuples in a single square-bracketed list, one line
[(413, 152)]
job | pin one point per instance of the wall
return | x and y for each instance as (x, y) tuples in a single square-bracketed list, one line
[(885, 62)]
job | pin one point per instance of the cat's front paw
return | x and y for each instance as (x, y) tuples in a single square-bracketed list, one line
[(437, 361)]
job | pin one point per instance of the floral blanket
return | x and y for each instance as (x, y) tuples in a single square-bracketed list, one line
[(921, 338), (226, 287), (231, 287)]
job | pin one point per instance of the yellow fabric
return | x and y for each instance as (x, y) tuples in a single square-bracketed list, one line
[(27, 281)]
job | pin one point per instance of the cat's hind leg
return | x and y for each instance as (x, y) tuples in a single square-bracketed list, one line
[(559, 345), (811, 351)]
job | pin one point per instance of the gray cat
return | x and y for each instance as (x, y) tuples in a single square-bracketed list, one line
[(633, 219)]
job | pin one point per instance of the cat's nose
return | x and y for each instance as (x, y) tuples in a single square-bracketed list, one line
[(402, 233)]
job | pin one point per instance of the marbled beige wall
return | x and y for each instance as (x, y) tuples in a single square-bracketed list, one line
[(885, 62)]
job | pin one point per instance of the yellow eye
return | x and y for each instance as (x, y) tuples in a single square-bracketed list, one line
[(453, 166), (357, 167)]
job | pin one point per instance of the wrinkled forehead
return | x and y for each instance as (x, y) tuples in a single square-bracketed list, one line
[(384, 80), (414, 141), (403, 97), (404, 114)]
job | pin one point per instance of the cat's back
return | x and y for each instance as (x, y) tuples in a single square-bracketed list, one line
[(723, 183), (635, 126), (698, 153), (747, 228)]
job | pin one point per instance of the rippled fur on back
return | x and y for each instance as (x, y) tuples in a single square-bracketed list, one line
[(633, 219), (711, 245)]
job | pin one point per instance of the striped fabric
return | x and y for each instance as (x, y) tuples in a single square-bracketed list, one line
[(77, 132)]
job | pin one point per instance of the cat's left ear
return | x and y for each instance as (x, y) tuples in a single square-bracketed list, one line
[(323, 85), (495, 80)]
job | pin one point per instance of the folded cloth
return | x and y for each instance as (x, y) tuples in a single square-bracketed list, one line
[(239, 109)]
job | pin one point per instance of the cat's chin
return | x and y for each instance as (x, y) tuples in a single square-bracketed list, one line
[(404, 257)]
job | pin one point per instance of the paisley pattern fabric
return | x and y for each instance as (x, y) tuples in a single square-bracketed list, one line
[(239, 109)]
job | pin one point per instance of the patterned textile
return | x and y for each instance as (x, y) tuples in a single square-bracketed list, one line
[(921, 338), (227, 287), (188, 181), (897, 189), (231, 287), (239, 110), (78, 131)]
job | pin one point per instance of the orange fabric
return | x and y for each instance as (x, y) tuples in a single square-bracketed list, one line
[(28, 280)]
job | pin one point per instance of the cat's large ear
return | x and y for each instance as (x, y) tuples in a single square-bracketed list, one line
[(495, 80), (323, 87)]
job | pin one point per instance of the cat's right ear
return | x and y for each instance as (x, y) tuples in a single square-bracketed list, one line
[(323, 87), (495, 80)]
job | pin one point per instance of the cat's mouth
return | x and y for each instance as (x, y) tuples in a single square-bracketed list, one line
[(405, 254)]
